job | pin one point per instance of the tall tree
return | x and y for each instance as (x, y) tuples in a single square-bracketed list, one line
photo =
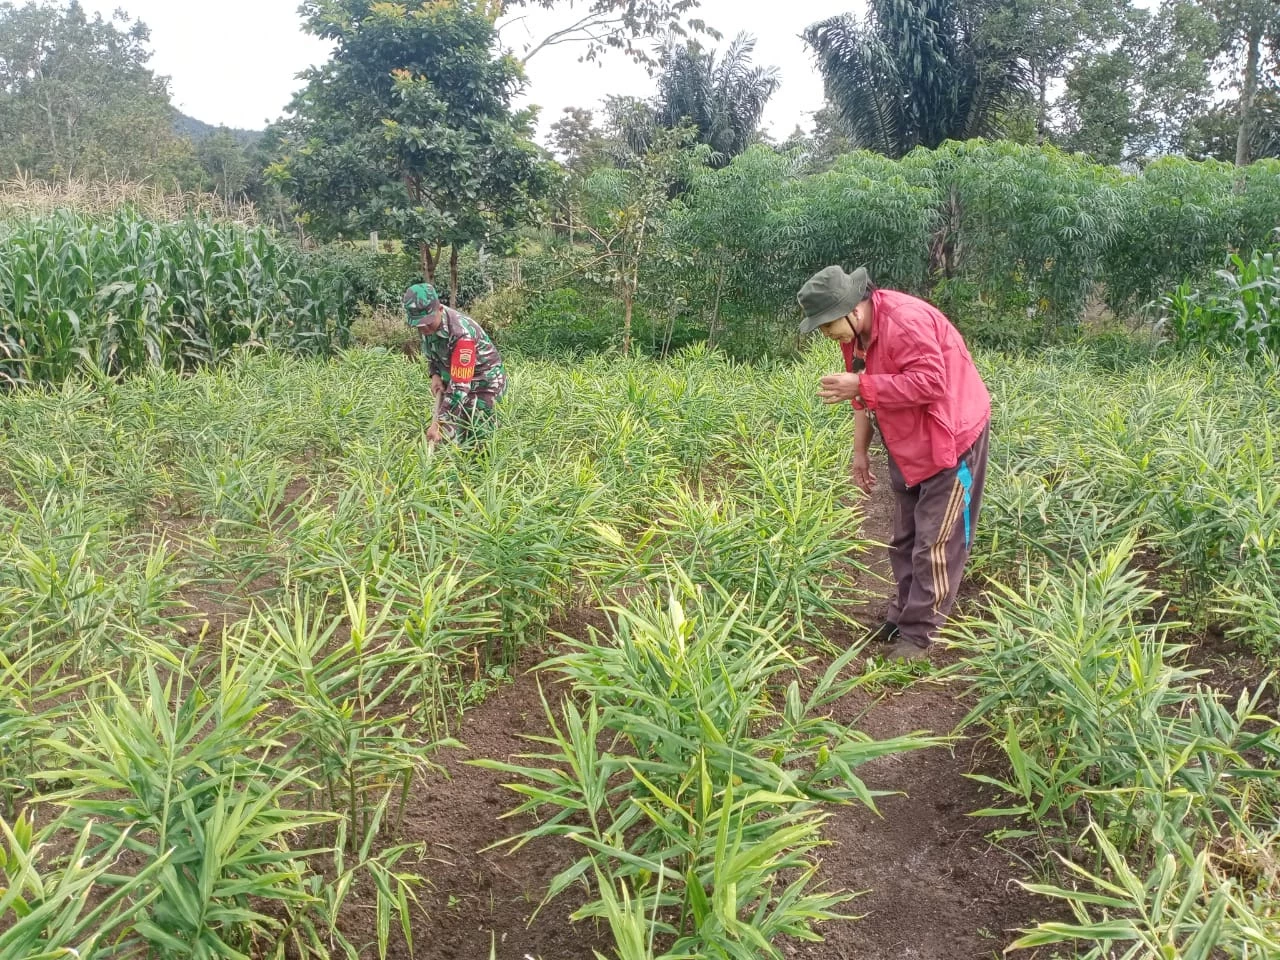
[(623, 209), (919, 72), (227, 163), (77, 98), (1138, 98), (1249, 33), (1054, 36), (409, 130), (820, 149), (723, 98), (576, 139), (1216, 133)]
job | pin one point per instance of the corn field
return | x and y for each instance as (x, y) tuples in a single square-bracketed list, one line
[(120, 293), (243, 610), (28, 197)]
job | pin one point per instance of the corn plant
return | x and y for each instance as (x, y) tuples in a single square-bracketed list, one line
[(1242, 309), (121, 293)]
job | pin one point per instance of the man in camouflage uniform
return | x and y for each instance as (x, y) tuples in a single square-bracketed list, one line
[(465, 365)]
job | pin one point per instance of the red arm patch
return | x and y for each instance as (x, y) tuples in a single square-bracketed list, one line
[(462, 366)]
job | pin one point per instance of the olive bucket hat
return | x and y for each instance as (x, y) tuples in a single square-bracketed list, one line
[(829, 295)]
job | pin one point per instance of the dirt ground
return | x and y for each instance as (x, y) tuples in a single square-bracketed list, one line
[(935, 887)]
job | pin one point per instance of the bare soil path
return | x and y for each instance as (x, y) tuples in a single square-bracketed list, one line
[(935, 887)]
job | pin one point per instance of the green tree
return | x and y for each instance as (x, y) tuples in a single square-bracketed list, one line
[(577, 141), (919, 72), (227, 164), (1096, 110), (723, 98), (1215, 134), (1138, 99), (1054, 36), (77, 99), (408, 129), (820, 149), (1249, 42), (580, 146), (623, 209), (630, 128)]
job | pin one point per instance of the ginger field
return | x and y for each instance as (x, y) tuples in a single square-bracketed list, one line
[(272, 670)]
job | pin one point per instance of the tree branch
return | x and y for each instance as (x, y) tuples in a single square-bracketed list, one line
[(564, 35)]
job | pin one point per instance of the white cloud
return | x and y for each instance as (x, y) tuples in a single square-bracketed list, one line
[(235, 62)]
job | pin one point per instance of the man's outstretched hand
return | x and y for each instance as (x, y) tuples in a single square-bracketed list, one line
[(839, 387)]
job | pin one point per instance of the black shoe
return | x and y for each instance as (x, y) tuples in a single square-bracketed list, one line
[(906, 649), (885, 633)]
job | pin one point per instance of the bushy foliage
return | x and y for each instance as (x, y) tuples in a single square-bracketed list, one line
[(1013, 242), (1183, 219)]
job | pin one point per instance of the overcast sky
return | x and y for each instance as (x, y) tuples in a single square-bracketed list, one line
[(235, 62)]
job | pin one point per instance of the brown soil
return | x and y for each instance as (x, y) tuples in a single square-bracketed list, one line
[(935, 887)]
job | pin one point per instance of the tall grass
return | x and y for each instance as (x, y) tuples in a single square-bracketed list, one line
[(261, 566), (23, 196), (1179, 453), (122, 293), (276, 601)]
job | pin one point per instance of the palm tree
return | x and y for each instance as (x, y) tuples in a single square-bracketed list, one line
[(723, 99), (918, 72)]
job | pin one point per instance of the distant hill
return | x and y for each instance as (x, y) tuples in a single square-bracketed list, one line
[(197, 130)]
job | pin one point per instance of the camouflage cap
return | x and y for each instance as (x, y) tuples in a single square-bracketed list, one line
[(418, 301)]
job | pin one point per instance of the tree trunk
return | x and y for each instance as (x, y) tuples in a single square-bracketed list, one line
[(1248, 90), (428, 262), (1042, 122), (715, 309), (453, 275), (627, 298), (944, 252), (631, 286)]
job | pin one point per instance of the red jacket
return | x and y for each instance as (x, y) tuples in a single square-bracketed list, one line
[(929, 400)]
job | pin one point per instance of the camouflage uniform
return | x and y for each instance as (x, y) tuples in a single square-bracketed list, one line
[(461, 354)]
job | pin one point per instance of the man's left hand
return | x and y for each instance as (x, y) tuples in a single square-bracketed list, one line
[(839, 387), (433, 433)]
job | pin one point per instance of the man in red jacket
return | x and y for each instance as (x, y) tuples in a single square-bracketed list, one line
[(919, 386)]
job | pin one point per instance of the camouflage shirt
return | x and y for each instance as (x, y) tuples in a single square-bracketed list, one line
[(461, 354)]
